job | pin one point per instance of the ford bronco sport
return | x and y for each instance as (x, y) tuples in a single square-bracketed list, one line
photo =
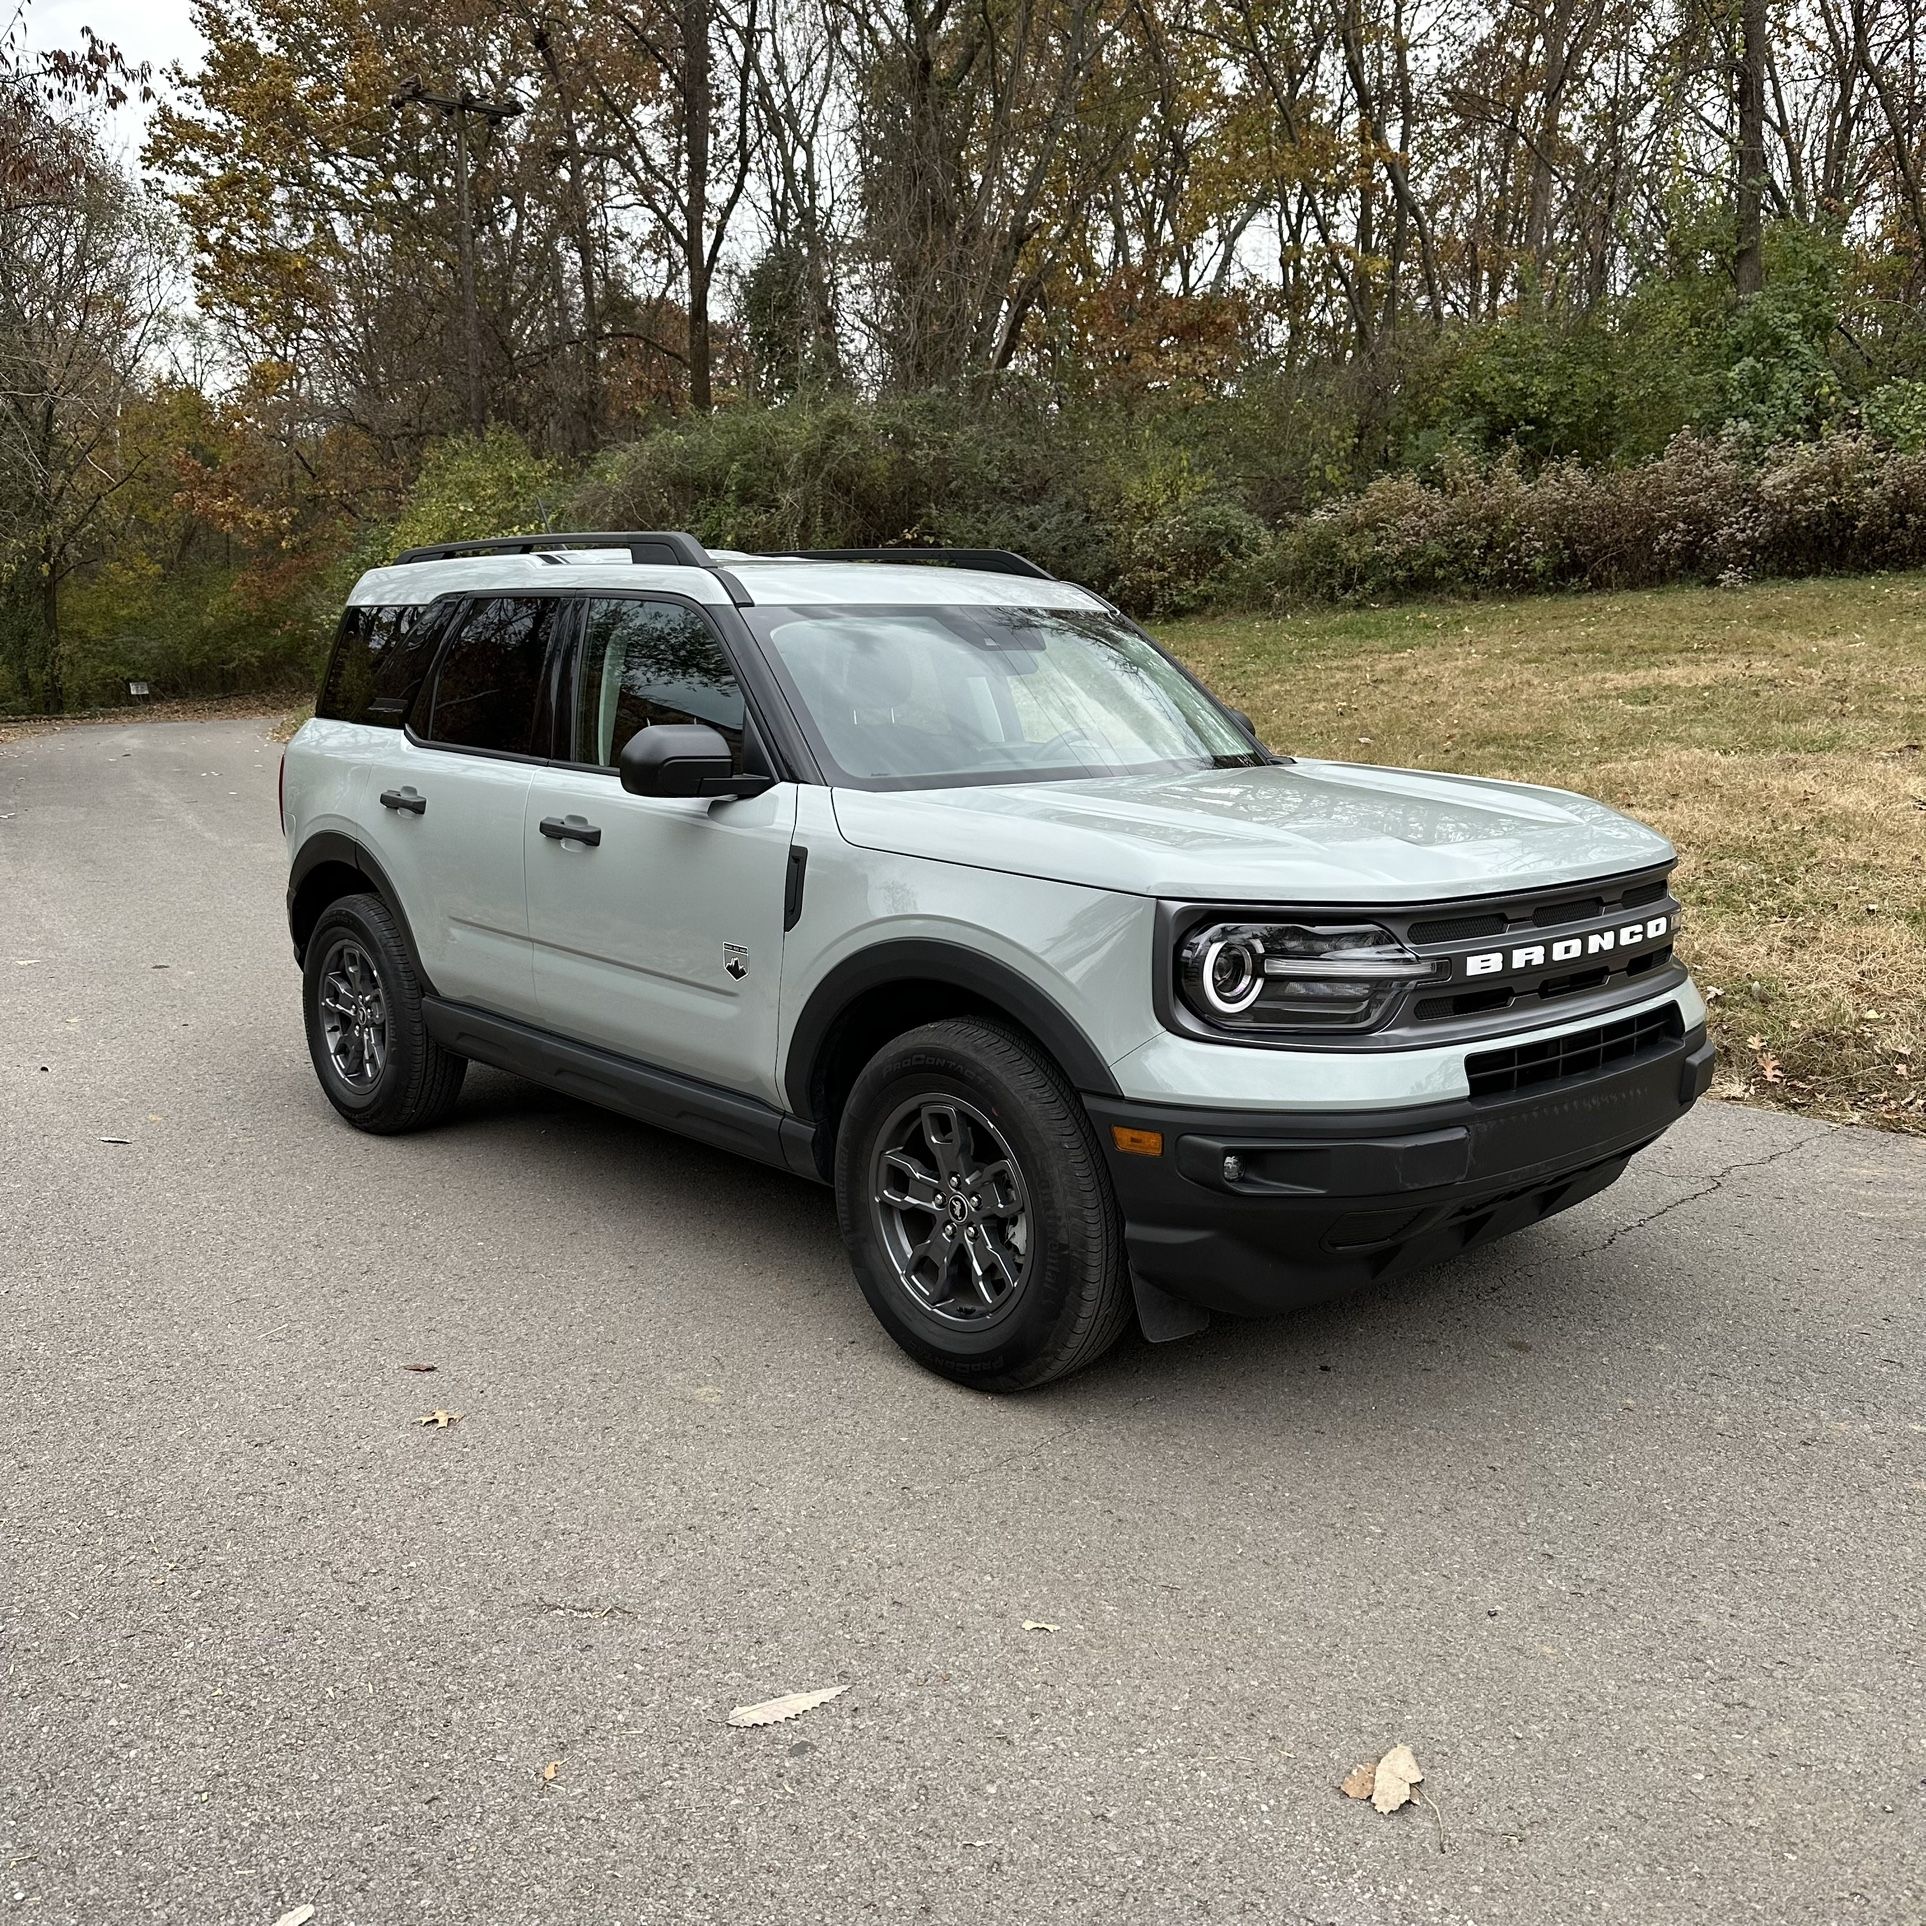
[(927, 876)]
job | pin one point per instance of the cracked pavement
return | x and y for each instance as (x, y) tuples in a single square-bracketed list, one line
[(1618, 1524)]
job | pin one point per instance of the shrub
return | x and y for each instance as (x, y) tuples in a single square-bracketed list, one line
[(841, 473), (1896, 415), (495, 485), (1708, 509)]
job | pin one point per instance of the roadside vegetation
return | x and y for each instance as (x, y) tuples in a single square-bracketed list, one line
[(1774, 733), (1262, 306)]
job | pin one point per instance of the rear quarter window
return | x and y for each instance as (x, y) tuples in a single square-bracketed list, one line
[(493, 676), (380, 657)]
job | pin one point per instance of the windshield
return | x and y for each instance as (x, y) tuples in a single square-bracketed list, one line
[(927, 697)]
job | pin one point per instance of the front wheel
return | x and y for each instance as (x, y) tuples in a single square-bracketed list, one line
[(976, 1208), (371, 1048)]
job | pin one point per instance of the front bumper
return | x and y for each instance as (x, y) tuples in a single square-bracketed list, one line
[(1316, 1204)]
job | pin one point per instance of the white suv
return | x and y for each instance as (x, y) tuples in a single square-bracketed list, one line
[(925, 875)]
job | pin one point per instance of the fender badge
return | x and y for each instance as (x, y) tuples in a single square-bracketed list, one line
[(735, 959)]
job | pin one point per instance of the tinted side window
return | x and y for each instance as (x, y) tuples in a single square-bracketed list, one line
[(646, 662), (379, 659), (492, 674)]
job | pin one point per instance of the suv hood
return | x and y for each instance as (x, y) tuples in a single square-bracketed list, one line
[(1300, 832)]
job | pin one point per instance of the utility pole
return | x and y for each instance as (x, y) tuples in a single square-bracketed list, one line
[(457, 107)]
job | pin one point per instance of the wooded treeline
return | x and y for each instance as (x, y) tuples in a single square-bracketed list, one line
[(1164, 289)]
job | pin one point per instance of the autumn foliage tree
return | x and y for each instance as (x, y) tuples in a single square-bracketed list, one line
[(1132, 280)]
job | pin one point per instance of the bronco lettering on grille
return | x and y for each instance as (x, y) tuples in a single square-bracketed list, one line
[(1569, 949)]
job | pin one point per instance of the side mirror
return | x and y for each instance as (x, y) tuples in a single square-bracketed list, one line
[(1244, 723), (683, 759)]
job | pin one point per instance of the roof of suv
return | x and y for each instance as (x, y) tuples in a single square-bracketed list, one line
[(769, 580)]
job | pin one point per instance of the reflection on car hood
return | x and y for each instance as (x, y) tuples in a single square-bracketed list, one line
[(1312, 832)]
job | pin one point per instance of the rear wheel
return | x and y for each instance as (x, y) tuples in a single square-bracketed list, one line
[(976, 1208), (377, 1063)]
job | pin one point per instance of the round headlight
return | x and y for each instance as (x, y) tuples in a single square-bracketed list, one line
[(1231, 974), (1252, 978)]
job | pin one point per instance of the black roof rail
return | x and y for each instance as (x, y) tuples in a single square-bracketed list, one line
[(992, 561), (661, 547), (652, 547)]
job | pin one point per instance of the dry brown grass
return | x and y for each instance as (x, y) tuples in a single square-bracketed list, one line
[(1774, 733)]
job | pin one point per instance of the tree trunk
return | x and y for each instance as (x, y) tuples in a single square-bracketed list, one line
[(53, 694), (696, 61), (582, 234), (1748, 261)]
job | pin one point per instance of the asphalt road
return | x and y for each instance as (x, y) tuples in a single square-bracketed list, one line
[(1618, 1524)]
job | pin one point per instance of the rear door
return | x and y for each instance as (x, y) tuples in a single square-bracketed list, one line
[(662, 938), (445, 816)]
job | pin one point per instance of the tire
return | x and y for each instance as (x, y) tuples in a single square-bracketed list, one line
[(1027, 1281), (380, 1069)]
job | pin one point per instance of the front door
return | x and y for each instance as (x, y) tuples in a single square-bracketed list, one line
[(660, 937)]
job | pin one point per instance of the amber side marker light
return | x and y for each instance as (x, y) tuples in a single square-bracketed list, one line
[(1137, 1143)]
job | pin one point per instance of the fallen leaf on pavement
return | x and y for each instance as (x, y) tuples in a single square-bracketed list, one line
[(441, 1420), (1040, 1625), (1397, 1773), (550, 1770), (1359, 1784), (299, 1917), (791, 1705)]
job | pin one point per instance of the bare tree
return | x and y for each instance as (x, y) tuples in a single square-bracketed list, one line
[(84, 282), (1748, 260)]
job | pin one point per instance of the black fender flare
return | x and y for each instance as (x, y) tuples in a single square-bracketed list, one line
[(923, 960), (330, 846)]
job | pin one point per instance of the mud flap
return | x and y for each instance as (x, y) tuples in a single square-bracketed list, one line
[(1162, 1317)]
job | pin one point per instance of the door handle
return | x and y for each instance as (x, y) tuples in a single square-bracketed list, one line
[(409, 799), (570, 829)]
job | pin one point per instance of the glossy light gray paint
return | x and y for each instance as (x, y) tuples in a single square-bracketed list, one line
[(1302, 832), (1182, 1070), (1088, 951), (457, 866), (770, 581), (631, 937)]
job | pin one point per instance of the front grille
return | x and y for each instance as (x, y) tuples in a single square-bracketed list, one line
[(1466, 1003), (1579, 910), (1581, 980), (1541, 919), (1459, 929), (1582, 1053)]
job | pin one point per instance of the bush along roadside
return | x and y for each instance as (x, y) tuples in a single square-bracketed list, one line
[(1163, 526), (1156, 528), (1710, 509)]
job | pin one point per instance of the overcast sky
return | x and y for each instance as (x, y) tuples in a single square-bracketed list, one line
[(153, 30)]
